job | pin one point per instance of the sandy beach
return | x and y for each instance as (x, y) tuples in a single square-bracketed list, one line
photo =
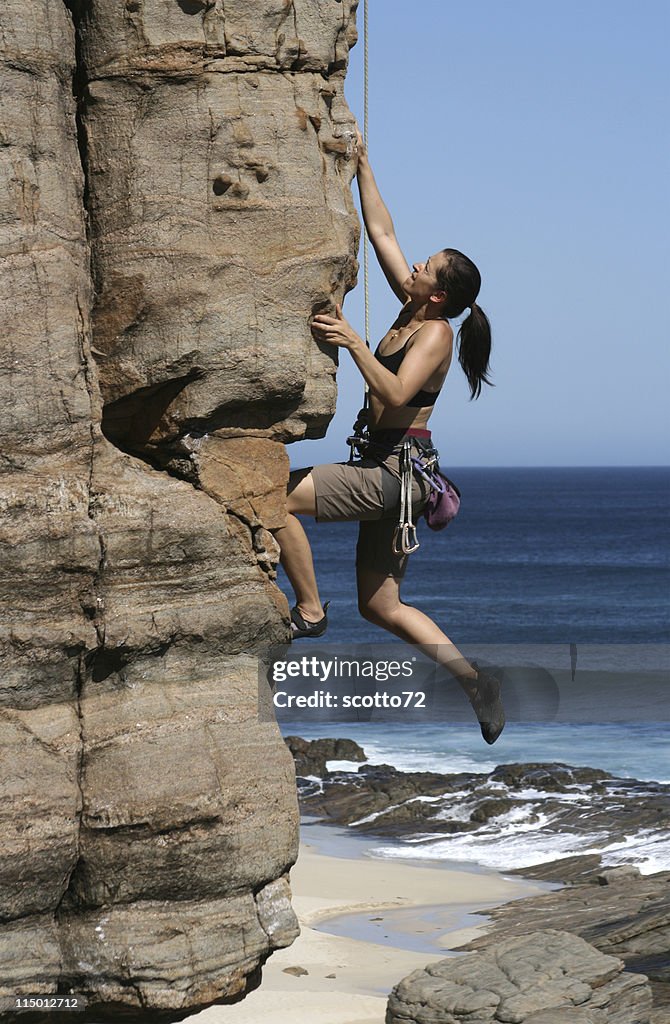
[(420, 913)]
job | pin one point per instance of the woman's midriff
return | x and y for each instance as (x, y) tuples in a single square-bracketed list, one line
[(381, 417)]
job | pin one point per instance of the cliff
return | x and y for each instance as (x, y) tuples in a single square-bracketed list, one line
[(175, 204)]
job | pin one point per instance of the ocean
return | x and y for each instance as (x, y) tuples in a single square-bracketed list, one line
[(558, 557), (534, 555)]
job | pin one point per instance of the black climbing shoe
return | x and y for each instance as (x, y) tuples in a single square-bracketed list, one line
[(487, 704), (301, 627)]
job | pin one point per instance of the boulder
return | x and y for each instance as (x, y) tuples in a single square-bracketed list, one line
[(310, 756), (545, 977)]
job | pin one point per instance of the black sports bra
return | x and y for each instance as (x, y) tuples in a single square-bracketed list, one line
[(392, 363)]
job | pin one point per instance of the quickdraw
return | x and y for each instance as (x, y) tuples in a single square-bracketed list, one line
[(405, 540)]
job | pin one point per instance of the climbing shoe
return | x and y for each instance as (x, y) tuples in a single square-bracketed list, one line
[(487, 704), (301, 627)]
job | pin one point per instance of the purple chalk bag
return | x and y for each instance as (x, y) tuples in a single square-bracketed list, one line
[(444, 499)]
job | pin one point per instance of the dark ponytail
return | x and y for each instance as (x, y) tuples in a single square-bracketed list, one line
[(461, 281)]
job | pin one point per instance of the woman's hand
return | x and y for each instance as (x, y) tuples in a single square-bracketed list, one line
[(361, 149), (334, 329)]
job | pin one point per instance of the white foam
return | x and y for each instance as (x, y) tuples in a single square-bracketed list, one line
[(515, 843), (648, 850), (456, 812), (540, 794), (411, 759), (504, 853), (343, 766)]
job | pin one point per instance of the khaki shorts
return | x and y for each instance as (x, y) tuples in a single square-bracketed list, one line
[(363, 492)]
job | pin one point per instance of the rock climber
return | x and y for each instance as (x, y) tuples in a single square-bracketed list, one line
[(404, 376)]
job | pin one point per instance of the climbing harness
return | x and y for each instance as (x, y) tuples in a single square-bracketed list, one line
[(378, 445)]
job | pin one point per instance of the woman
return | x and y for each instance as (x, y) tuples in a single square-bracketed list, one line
[(404, 377)]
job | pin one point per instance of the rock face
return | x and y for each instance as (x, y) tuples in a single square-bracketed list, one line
[(545, 977), (218, 147), (165, 233)]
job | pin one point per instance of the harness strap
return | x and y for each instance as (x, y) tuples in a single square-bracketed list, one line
[(377, 445)]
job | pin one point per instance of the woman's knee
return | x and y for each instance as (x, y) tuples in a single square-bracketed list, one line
[(381, 612), (378, 596), (366, 610)]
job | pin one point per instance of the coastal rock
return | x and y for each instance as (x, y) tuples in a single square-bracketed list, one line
[(539, 978), (547, 777), (310, 35), (370, 798), (614, 876), (310, 756), (568, 1015), (176, 204), (581, 868), (49, 545), (631, 921), (588, 807)]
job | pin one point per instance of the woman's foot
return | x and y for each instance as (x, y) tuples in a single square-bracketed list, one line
[(303, 627), (484, 695)]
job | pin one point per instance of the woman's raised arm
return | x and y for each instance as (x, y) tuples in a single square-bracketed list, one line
[(380, 226)]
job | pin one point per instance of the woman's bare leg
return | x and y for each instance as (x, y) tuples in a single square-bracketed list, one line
[(379, 602), (296, 553)]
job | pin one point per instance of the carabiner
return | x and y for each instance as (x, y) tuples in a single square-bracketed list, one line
[(430, 478), (409, 546)]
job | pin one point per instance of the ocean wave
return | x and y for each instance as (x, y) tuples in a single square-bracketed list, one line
[(520, 847), (523, 837)]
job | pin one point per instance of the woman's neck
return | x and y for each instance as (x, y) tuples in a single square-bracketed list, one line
[(426, 311)]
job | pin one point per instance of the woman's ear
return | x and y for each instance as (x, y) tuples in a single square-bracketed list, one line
[(438, 296)]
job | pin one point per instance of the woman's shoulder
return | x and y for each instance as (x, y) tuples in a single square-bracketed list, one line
[(437, 330)]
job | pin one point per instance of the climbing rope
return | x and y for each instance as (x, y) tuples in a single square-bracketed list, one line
[(366, 81), (358, 438)]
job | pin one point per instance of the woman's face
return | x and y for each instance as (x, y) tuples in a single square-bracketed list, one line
[(422, 282)]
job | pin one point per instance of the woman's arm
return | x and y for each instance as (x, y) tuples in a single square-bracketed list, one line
[(432, 346), (380, 226)]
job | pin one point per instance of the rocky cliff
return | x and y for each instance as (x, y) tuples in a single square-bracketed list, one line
[(175, 203)]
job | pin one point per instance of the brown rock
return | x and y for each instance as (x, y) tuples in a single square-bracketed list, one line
[(297, 972), (567, 1015), (213, 244), (613, 876), (310, 756), (148, 818), (49, 546), (247, 475)]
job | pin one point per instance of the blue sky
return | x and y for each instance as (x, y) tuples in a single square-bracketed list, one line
[(533, 137)]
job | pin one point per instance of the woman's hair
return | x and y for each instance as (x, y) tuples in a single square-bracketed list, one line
[(461, 280)]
